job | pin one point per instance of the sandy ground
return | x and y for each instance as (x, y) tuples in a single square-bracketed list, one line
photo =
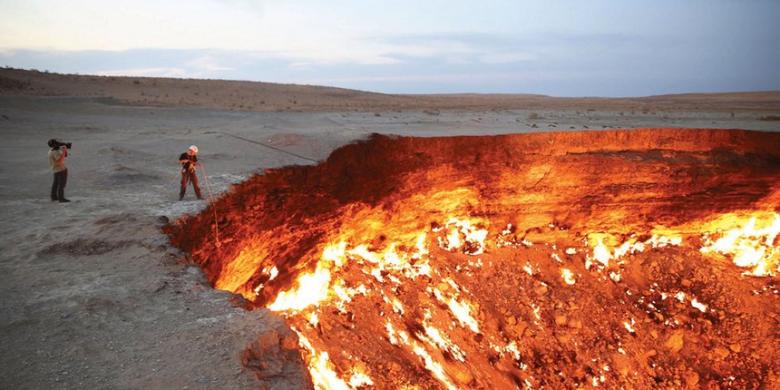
[(92, 295), (268, 97)]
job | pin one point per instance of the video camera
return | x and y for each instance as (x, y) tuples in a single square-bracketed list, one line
[(54, 144)]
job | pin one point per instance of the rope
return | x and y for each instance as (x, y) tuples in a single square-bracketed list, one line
[(208, 184), (213, 205), (270, 147)]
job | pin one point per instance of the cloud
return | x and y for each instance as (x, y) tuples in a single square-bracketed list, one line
[(146, 72), (563, 64), (507, 58), (188, 65), (208, 64)]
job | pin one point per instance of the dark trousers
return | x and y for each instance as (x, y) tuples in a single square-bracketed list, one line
[(58, 186), (191, 176)]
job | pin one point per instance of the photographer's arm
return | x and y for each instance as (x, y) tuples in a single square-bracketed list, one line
[(60, 154)]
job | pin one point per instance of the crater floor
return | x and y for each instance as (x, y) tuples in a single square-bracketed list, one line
[(626, 258)]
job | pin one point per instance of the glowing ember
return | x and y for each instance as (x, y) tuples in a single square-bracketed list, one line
[(750, 240), (360, 379), (320, 368), (698, 305), (462, 312), (434, 367), (568, 276), (463, 235), (600, 251), (311, 289), (443, 343)]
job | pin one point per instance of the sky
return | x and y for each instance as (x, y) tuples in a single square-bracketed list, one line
[(560, 48)]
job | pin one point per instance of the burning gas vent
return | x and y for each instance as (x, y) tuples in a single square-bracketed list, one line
[(637, 258)]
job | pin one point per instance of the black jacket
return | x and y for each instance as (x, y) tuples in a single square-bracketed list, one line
[(187, 161)]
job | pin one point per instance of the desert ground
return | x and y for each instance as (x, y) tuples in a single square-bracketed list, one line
[(93, 295)]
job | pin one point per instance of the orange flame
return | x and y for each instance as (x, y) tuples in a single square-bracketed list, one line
[(507, 271)]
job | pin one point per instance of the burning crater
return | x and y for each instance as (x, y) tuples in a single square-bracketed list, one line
[(633, 258)]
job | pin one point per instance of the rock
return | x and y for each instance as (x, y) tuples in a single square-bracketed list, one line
[(575, 324), (194, 270), (263, 356), (691, 379), (268, 340), (622, 364), (541, 290), (736, 348), (394, 368), (675, 342), (653, 265), (686, 283), (196, 275), (462, 376), (325, 326), (720, 353), (158, 286), (560, 319), (519, 329), (290, 343), (653, 334), (237, 300), (645, 357)]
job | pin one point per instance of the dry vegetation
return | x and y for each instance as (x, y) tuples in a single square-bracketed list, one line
[(259, 96)]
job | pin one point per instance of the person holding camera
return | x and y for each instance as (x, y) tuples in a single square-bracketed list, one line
[(57, 155), (189, 161)]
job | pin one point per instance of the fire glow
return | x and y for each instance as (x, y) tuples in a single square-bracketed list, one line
[(479, 275)]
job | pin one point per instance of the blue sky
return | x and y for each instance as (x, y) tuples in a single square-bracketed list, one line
[(562, 48)]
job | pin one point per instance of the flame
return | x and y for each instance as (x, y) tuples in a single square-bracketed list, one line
[(311, 289), (464, 234), (568, 276), (359, 379), (450, 279), (435, 337), (750, 239), (434, 367), (322, 373), (240, 270), (698, 305), (462, 311), (607, 247), (600, 251)]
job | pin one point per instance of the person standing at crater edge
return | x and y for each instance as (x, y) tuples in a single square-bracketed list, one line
[(57, 153), (189, 162)]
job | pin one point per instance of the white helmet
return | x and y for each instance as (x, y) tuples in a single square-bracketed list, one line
[(193, 149)]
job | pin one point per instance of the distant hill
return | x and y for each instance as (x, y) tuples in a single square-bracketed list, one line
[(260, 96)]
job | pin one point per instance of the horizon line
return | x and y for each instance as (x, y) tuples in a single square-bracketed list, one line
[(128, 76)]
